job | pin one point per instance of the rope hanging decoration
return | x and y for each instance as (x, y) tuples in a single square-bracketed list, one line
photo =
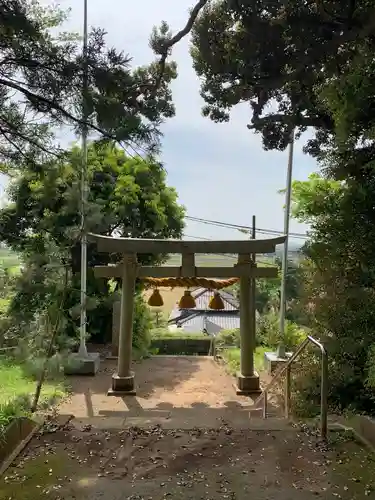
[(187, 301), (155, 300), (216, 302), (211, 284)]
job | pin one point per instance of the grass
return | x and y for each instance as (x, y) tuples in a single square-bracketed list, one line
[(212, 260), (4, 304), (8, 258), (17, 389), (14, 270), (232, 357), (161, 334), (15, 383)]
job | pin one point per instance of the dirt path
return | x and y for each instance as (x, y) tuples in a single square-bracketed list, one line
[(83, 464), (181, 391)]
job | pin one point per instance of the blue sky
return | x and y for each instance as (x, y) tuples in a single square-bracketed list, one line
[(219, 170)]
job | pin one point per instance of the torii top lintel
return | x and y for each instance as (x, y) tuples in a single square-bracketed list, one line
[(153, 246)]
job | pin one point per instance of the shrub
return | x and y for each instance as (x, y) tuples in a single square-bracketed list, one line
[(18, 407), (268, 332), (142, 325), (371, 367), (306, 384), (164, 333), (232, 358), (228, 338)]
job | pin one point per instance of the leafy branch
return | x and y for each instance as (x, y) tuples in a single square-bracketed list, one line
[(163, 42)]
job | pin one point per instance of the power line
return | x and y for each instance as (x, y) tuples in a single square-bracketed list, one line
[(239, 227), (242, 227), (197, 237), (227, 255)]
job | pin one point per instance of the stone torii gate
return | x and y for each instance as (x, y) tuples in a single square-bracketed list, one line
[(129, 270)]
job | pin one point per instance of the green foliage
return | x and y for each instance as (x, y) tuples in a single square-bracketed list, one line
[(228, 338), (16, 391), (159, 319), (9, 260), (228, 342), (42, 78), (268, 332), (253, 52), (4, 305), (306, 385), (126, 194), (308, 197), (232, 359), (267, 294), (18, 407), (162, 333), (371, 367), (267, 291), (341, 283), (39, 340), (350, 99), (142, 325), (42, 223)]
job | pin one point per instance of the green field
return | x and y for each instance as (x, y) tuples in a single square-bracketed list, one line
[(9, 260), (17, 389), (15, 383), (212, 260)]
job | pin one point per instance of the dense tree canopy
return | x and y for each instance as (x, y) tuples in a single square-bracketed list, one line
[(41, 83), (309, 64), (287, 60), (341, 282), (267, 295), (128, 196)]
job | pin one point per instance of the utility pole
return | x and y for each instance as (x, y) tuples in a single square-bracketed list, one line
[(84, 363), (253, 233), (284, 267), (82, 345), (253, 287)]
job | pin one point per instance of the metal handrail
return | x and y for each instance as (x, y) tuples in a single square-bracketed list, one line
[(287, 369)]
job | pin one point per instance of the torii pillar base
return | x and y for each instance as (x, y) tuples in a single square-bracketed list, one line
[(122, 386), (248, 385)]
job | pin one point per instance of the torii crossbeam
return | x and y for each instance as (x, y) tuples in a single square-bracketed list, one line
[(129, 270)]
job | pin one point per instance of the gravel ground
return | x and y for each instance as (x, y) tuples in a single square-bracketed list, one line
[(223, 463), (163, 383)]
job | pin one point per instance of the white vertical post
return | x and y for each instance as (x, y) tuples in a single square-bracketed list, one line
[(284, 267), (82, 347)]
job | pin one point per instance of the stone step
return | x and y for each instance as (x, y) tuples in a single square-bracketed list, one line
[(181, 422)]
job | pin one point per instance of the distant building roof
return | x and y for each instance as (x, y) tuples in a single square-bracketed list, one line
[(211, 323), (203, 296), (202, 318)]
